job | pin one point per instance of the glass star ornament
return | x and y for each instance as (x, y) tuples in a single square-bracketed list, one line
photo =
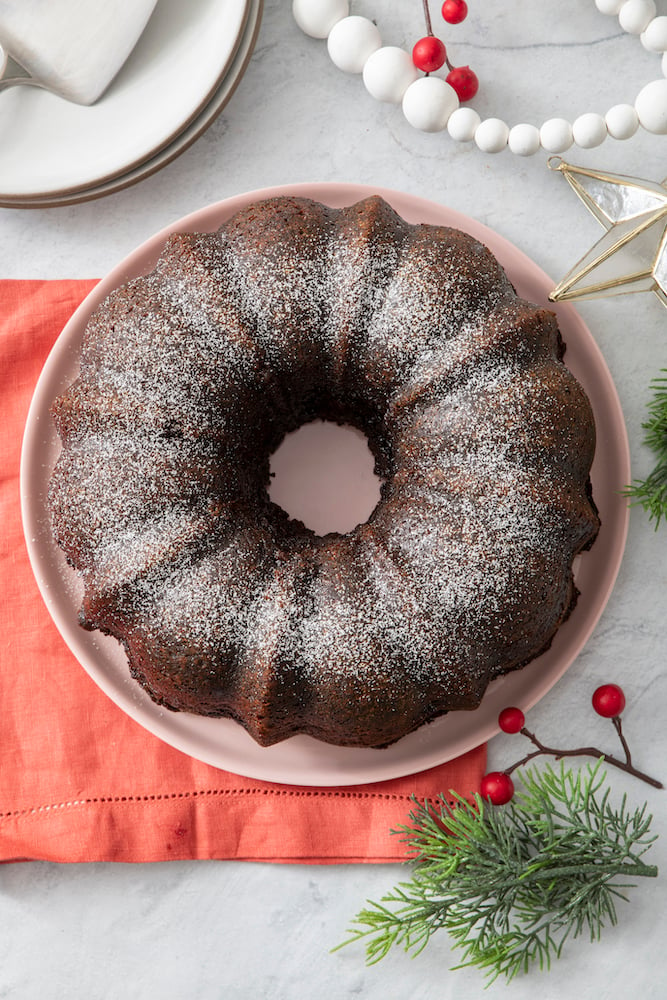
[(631, 256)]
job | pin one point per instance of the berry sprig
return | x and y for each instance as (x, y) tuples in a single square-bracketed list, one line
[(608, 701), (429, 54), (513, 885)]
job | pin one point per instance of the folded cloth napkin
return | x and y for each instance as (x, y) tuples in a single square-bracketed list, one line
[(81, 781)]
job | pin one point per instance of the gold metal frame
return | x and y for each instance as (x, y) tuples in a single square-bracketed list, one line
[(628, 208)]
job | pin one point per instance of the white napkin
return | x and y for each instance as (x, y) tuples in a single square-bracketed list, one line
[(74, 47)]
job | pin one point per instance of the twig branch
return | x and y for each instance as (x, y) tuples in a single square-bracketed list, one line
[(427, 18), (623, 765), (617, 726)]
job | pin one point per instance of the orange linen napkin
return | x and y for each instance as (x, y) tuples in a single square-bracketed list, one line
[(81, 781)]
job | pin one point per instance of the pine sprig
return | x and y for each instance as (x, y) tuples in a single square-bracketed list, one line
[(651, 493), (511, 885)]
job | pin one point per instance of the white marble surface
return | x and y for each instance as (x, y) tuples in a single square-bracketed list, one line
[(208, 930)]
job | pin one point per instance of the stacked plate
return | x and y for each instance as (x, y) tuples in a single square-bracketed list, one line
[(179, 77)]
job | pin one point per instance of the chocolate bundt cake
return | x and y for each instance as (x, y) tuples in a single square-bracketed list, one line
[(191, 376)]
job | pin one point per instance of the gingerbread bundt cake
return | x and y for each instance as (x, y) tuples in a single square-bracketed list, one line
[(189, 379)]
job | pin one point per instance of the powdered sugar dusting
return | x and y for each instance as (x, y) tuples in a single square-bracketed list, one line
[(464, 569)]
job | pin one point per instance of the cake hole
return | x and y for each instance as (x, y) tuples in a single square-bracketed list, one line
[(322, 474)]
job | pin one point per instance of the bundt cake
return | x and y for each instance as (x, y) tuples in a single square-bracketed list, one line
[(192, 375)]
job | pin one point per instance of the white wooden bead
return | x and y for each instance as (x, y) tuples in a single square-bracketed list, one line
[(651, 106), (462, 124), (654, 36), (635, 15), (388, 73), (589, 130), (317, 17), (351, 41), (491, 135), (611, 7), (428, 103), (622, 121), (524, 140), (556, 135)]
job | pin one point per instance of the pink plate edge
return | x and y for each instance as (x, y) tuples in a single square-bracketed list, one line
[(302, 760)]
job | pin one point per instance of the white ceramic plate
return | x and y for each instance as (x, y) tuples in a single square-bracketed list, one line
[(192, 132), (51, 147), (301, 759)]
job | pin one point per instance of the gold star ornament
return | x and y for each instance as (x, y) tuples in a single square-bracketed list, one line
[(631, 256)]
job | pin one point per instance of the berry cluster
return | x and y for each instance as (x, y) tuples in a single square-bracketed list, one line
[(608, 701), (429, 53)]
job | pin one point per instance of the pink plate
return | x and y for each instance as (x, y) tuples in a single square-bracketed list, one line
[(301, 759)]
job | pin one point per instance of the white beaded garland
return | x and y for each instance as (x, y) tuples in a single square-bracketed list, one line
[(589, 130), (317, 17), (462, 124), (622, 121), (428, 103), (491, 135), (556, 135), (635, 15), (388, 73), (351, 41), (431, 105), (524, 140), (651, 107), (610, 7), (654, 36)]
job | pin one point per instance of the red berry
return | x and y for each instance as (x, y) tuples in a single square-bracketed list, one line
[(429, 54), (511, 720), (497, 787), (608, 700), (454, 11), (464, 82)]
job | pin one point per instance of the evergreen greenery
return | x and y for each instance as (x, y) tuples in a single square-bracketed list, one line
[(651, 493), (510, 884)]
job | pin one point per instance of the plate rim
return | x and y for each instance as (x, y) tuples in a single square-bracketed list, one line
[(345, 766)]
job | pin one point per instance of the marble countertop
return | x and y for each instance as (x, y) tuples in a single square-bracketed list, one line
[(207, 930)]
